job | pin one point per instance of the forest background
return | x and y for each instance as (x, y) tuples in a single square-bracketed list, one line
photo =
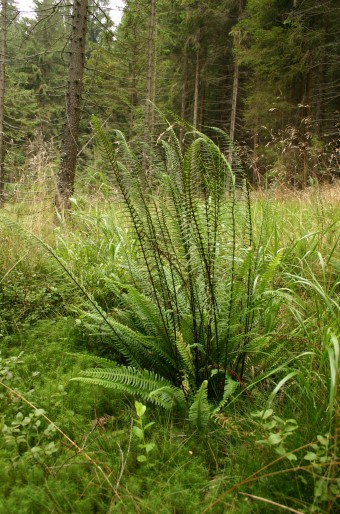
[(266, 72)]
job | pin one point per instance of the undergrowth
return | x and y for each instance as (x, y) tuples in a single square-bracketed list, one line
[(235, 330)]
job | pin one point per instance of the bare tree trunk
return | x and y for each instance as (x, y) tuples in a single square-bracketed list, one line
[(154, 92), (184, 99), (133, 98), (69, 145), (234, 102), (150, 69), (196, 93), (320, 94), (2, 97), (202, 100), (233, 110)]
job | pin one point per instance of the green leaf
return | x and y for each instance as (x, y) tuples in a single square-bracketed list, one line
[(36, 449), (275, 439), (323, 440), (149, 447), (264, 414), (291, 456), (267, 413), (310, 456), (138, 432), (141, 458), (39, 412), (269, 426), (149, 425), (19, 417), (140, 409)]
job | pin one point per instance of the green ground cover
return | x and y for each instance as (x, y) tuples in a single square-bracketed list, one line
[(264, 440)]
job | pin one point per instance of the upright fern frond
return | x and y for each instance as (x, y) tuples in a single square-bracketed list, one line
[(200, 410), (187, 360)]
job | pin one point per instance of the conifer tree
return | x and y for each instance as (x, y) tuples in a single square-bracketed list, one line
[(2, 95), (69, 146)]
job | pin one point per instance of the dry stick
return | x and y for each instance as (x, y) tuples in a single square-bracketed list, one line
[(254, 476), (265, 500), (10, 269), (124, 461), (79, 450)]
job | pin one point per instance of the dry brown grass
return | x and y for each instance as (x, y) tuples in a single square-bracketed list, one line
[(326, 192)]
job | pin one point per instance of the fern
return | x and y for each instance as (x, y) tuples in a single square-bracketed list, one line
[(194, 285), (200, 410), (141, 383), (230, 387), (268, 274), (187, 360)]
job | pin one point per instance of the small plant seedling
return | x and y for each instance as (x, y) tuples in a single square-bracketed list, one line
[(139, 430), (277, 431)]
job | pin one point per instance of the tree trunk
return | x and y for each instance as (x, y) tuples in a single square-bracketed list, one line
[(69, 145), (2, 98), (234, 102), (202, 101), (150, 69), (184, 97), (196, 93), (133, 98), (320, 94)]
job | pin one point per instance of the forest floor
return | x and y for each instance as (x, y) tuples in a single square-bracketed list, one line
[(69, 447)]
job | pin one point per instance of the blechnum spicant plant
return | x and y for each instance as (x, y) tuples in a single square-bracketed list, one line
[(189, 312)]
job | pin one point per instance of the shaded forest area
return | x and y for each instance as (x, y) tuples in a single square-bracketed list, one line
[(266, 72)]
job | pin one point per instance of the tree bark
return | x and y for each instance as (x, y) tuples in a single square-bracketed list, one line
[(234, 102), (2, 97), (184, 97), (197, 79), (69, 145), (150, 69), (320, 94), (133, 97)]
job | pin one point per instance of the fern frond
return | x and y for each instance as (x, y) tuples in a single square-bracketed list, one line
[(142, 383), (200, 410), (267, 275), (167, 397), (230, 387), (187, 359)]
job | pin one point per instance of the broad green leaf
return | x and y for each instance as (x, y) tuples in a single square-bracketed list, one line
[(275, 439), (149, 447), (39, 412), (138, 432), (310, 456), (264, 414), (323, 440), (140, 409), (267, 413)]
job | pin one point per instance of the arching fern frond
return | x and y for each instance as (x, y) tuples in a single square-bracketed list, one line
[(168, 397), (141, 383)]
